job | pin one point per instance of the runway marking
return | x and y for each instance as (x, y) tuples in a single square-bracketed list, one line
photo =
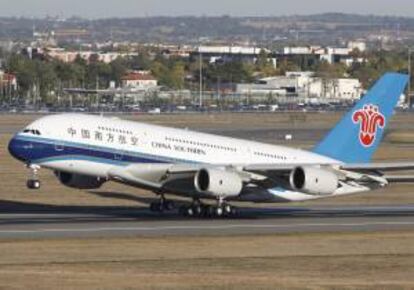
[(212, 227)]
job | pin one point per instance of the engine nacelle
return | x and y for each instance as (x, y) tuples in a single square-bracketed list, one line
[(79, 181), (314, 181), (218, 182)]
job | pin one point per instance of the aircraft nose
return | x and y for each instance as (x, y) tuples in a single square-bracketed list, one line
[(17, 149)]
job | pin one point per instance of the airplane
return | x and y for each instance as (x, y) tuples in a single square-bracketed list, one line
[(85, 151)]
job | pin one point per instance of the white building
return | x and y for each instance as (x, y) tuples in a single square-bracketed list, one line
[(231, 53), (301, 50), (139, 81), (328, 54), (305, 85), (8, 80), (70, 56), (231, 50), (340, 89), (360, 45)]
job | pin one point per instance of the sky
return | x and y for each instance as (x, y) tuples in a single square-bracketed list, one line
[(139, 8)]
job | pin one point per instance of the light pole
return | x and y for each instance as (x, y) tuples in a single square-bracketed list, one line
[(201, 80), (410, 51)]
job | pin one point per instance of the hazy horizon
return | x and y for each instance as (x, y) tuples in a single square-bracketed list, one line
[(142, 8)]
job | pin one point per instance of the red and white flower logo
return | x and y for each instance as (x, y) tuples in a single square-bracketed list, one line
[(369, 118)]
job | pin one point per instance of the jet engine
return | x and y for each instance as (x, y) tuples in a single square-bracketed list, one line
[(79, 181), (218, 182), (314, 181)]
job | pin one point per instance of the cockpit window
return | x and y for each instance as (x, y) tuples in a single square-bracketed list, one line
[(31, 131)]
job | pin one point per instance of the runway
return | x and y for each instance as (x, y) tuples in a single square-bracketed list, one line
[(36, 222)]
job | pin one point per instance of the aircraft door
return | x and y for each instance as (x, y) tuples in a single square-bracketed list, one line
[(59, 146), (119, 155)]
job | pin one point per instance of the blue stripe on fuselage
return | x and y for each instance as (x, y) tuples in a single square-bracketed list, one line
[(44, 150)]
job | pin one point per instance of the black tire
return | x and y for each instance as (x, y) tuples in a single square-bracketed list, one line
[(234, 211), (205, 211), (210, 212), (227, 209), (182, 210), (155, 207), (219, 211), (152, 207), (198, 210), (160, 207), (169, 205), (33, 184), (190, 211)]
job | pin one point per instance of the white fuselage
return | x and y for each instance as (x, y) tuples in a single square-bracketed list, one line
[(92, 145)]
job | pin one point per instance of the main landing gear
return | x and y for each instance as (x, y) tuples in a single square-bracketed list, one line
[(162, 205), (33, 181), (200, 210), (196, 209)]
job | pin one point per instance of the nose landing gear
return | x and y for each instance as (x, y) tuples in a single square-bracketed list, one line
[(33, 184), (33, 181)]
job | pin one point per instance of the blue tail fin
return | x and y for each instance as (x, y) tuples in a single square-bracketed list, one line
[(357, 136)]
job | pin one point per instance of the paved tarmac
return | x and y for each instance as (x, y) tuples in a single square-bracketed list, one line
[(30, 221)]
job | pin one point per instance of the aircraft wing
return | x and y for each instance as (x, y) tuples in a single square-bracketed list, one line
[(400, 178), (383, 167), (371, 172), (357, 167), (157, 176)]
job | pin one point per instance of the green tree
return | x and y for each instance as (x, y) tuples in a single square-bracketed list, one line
[(264, 65), (286, 65), (326, 70), (176, 76), (118, 68), (46, 81), (25, 71), (232, 72)]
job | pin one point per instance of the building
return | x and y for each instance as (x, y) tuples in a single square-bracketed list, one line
[(335, 54), (139, 80), (329, 54), (304, 85), (176, 51), (70, 56), (7, 45), (338, 89), (214, 54), (8, 80), (359, 44)]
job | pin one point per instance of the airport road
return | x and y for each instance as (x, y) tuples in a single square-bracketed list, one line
[(26, 221)]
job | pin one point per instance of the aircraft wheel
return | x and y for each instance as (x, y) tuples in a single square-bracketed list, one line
[(210, 211), (169, 205), (227, 209), (205, 211), (182, 210), (153, 206), (33, 184), (198, 210), (219, 211), (233, 211), (190, 211)]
